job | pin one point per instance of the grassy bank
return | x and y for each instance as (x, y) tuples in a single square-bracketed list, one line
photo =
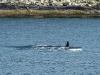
[(51, 13)]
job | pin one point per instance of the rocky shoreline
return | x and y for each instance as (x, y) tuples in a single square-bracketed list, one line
[(50, 13)]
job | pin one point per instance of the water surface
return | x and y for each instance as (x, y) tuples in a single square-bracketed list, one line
[(19, 35)]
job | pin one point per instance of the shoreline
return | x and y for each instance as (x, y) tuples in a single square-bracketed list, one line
[(16, 13)]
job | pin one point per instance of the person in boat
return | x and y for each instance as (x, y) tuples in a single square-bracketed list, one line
[(67, 44)]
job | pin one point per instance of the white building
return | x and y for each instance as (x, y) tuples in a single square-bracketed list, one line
[(67, 0)]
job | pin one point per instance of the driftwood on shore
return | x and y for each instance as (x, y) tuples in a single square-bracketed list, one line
[(50, 13)]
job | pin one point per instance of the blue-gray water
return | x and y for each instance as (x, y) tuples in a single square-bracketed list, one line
[(19, 35)]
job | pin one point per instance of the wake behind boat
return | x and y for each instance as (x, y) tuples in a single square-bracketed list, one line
[(45, 47), (66, 47)]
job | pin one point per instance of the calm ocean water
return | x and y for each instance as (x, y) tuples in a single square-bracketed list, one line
[(18, 36)]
